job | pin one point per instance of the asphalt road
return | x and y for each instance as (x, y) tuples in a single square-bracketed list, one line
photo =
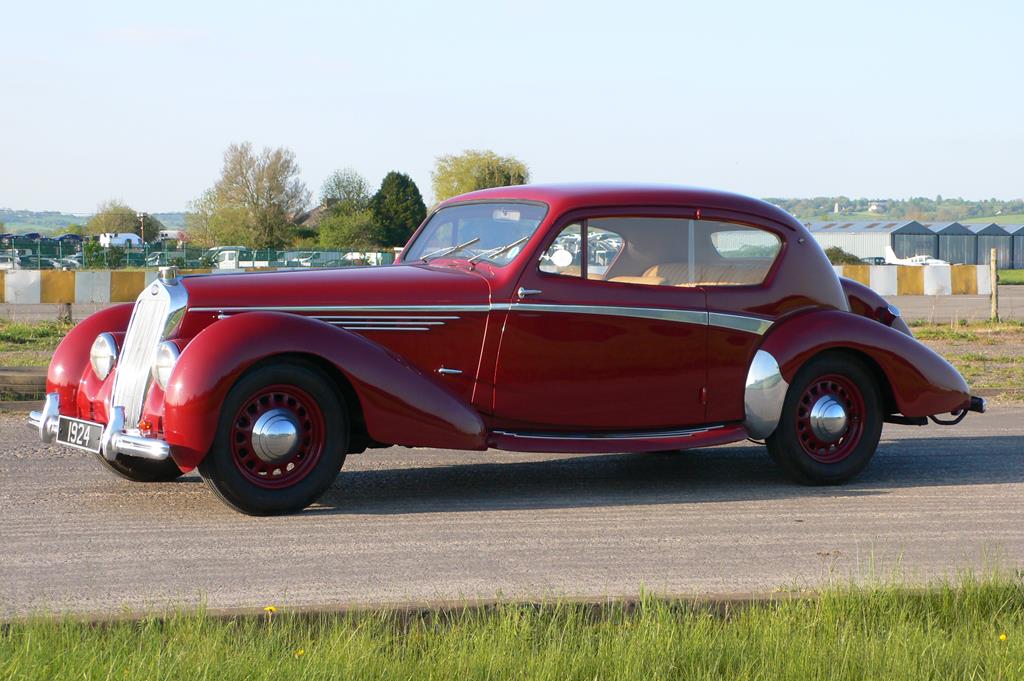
[(970, 308), (403, 526)]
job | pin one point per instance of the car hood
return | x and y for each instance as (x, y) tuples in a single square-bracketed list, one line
[(370, 286)]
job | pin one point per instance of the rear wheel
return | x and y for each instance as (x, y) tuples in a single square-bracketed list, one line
[(831, 421), (281, 441)]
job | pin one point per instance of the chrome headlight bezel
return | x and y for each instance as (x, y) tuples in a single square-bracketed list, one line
[(163, 363), (103, 355)]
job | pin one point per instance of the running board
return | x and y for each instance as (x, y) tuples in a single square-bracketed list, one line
[(602, 443)]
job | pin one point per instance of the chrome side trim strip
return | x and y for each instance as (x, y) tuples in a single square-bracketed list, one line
[(746, 323), (347, 308), (662, 314), (688, 432), (382, 328), (739, 322)]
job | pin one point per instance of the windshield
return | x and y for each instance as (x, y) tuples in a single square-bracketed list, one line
[(486, 232)]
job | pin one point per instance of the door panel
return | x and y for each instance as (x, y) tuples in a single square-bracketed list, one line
[(566, 363)]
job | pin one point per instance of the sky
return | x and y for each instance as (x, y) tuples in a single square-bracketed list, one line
[(138, 100)]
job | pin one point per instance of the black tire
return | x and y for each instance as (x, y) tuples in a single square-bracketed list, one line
[(142, 470), (222, 468), (794, 446)]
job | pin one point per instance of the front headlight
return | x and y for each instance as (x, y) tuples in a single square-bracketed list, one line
[(163, 365), (102, 355)]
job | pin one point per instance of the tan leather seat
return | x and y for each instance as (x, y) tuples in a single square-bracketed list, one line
[(674, 273), (646, 280), (730, 274)]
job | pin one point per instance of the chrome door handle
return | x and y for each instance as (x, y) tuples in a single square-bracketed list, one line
[(523, 292)]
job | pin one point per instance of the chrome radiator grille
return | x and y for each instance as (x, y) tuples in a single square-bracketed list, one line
[(137, 353)]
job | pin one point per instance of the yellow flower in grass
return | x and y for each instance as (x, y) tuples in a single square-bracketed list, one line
[(299, 653), (270, 610), (1002, 637)]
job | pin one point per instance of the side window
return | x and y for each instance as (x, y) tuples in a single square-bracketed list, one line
[(564, 254), (660, 251), (603, 247), (729, 254)]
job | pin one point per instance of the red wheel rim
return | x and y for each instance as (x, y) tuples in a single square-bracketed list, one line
[(846, 393), (311, 430)]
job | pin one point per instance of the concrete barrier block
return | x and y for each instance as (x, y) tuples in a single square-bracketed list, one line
[(984, 278), (883, 280), (838, 269), (125, 287), (151, 277), (909, 280), (22, 287), (964, 279), (56, 286), (859, 273), (92, 287), (937, 280)]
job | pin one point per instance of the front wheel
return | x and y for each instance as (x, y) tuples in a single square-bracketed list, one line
[(282, 438), (831, 421), (142, 470)]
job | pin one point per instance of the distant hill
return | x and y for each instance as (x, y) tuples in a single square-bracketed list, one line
[(53, 222), (922, 209)]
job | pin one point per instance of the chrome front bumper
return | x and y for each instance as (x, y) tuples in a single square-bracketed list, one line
[(114, 441)]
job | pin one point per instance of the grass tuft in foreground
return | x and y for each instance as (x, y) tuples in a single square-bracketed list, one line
[(972, 630)]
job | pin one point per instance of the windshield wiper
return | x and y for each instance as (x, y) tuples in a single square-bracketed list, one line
[(499, 249), (448, 251)]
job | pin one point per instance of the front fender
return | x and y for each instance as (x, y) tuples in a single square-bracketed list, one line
[(400, 404), (922, 382), (71, 357)]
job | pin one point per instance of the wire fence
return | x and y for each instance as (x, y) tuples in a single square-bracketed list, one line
[(71, 254)]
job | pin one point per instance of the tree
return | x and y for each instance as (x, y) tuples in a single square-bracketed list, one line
[(398, 208), (254, 200), (475, 169), (346, 186), (73, 228), (354, 231), (837, 256), (116, 217)]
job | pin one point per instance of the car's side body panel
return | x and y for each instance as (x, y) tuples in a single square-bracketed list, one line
[(922, 383), (400, 404)]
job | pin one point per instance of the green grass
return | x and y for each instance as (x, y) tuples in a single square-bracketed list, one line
[(846, 633), (1011, 276), (31, 336), (28, 344), (1007, 219)]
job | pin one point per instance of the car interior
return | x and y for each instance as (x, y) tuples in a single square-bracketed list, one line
[(664, 252)]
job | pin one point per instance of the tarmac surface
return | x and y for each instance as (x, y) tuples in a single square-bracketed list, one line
[(407, 526)]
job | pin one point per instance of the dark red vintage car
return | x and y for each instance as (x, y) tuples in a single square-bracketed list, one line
[(535, 318)]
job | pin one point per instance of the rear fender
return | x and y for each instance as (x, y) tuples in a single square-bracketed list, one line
[(922, 382), (71, 358), (400, 404)]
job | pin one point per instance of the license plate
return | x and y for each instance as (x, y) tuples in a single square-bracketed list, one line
[(78, 433)]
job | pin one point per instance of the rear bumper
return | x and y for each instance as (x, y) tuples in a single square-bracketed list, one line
[(115, 441)]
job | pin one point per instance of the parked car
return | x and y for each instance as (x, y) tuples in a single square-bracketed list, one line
[(9, 262), (712, 318), (875, 260)]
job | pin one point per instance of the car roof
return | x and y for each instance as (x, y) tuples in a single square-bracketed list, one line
[(563, 197)]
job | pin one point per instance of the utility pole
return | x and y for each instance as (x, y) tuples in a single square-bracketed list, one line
[(142, 228)]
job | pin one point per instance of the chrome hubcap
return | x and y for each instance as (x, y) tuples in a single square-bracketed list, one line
[(828, 419), (275, 436)]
